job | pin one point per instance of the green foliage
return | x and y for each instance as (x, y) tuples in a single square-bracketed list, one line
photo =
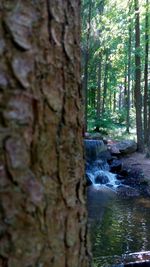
[(122, 114), (110, 22), (106, 122)]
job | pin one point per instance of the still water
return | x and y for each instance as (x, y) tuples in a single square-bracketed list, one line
[(119, 227)]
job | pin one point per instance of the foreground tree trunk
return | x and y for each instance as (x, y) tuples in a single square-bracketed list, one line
[(138, 97), (42, 204)]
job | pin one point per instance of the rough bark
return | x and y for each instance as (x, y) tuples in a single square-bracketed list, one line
[(42, 203), (137, 91)]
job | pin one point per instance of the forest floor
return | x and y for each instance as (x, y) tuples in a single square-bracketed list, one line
[(138, 160)]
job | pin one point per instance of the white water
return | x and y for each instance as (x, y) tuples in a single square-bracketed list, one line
[(104, 174), (97, 169)]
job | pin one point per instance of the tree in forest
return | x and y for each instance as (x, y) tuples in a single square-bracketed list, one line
[(129, 69), (99, 78), (99, 88), (146, 93), (105, 82), (137, 90), (86, 61), (146, 83), (42, 202)]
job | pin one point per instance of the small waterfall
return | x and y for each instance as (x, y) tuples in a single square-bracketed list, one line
[(93, 148), (97, 168), (100, 175)]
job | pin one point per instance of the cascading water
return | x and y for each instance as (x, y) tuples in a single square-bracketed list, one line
[(93, 149), (120, 226), (97, 168), (101, 175)]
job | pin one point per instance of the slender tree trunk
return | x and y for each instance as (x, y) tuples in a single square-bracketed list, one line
[(146, 75), (137, 91), (132, 91), (110, 100), (105, 83), (114, 102), (42, 204), (101, 10), (120, 98), (129, 72), (94, 99), (125, 89), (99, 87), (148, 131), (85, 81)]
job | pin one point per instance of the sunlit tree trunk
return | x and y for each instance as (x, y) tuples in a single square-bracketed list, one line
[(42, 203), (137, 91)]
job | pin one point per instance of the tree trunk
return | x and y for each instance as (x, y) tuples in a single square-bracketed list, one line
[(93, 98), (110, 100), (101, 10), (146, 91), (137, 91), (114, 102), (146, 75), (148, 130), (105, 83), (120, 98), (125, 103), (132, 91), (85, 81), (99, 87), (42, 204), (129, 72)]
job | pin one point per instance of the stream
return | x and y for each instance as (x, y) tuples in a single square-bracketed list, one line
[(119, 227)]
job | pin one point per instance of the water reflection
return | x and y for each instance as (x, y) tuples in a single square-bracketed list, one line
[(119, 227)]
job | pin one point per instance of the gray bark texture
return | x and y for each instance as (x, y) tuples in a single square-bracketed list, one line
[(42, 188)]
